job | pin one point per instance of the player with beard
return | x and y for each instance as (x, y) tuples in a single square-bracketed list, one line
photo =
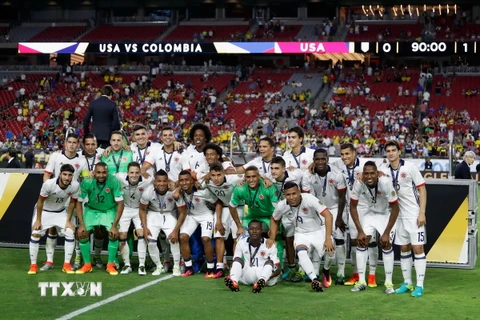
[(299, 156), (118, 158), (142, 147), (266, 148)]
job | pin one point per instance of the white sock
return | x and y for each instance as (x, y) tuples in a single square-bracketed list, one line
[(225, 258), (341, 257), (372, 260), (50, 247), (362, 257), (69, 245), (236, 271), (33, 248), (142, 251), (97, 245), (388, 264), (125, 251), (219, 266), (329, 259), (406, 263), (316, 261), (154, 252), (353, 256), (78, 252), (420, 268), (306, 264), (175, 249), (266, 272)]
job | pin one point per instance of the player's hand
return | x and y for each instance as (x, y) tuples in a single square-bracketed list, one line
[(359, 176), (241, 183), (340, 224), (362, 238), (147, 234), (69, 225), (177, 146), (270, 243), (126, 147), (311, 168), (173, 236), (381, 174), (176, 192), (113, 233), (38, 225), (197, 185), (240, 232), (90, 174), (82, 232), (292, 168), (107, 151), (194, 175), (328, 245), (385, 241), (146, 175), (219, 227), (421, 220), (267, 182), (206, 178), (172, 187)]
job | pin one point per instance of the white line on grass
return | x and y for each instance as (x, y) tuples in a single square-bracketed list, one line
[(112, 298)]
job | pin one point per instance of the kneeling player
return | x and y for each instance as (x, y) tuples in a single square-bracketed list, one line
[(104, 208), (262, 265), (380, 197), (161, 217), (50, 212)]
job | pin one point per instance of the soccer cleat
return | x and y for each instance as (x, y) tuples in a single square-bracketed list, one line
[(316, 285), (87, 267), (182, 266), (417, 293), (352, 280), (77, 263), (296, 276), (359, 286), (33, 269), (141, 271), (286, 274), (97, 261), (231, 284), (166, 266), (47, 266), (258, 286), (176, 272), (326, 281), (404, 288), (218, 274), (126, 270), (372, 281), (389, 288), (209, 275), (111, 269), (340, 280), (158, 271), (188, 272), (67, 268)]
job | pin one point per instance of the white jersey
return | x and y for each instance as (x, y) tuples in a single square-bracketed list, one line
[(171, 162), (262, 165), (205, 168), (58, 159), (349, 175), (224, 191), (161, 203), (197, 202), (290, 176), (55, 197), (87, 164), (324, 188), (306, 216), (409, 179), (256, 257), (301, 161), (192, 159), (132, 194), (139, 155), (376, 199)]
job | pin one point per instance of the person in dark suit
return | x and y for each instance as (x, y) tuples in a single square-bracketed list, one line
[(462, 171), (103, 113), (29, 159), (12, 159)]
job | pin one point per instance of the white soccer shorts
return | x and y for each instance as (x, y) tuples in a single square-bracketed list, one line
[(407, 232), (250, 275), (129, 215), (51, 219), (157, 222), (192, 221), (312, 240), (372, 222)]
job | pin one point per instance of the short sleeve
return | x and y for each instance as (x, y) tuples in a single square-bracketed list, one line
[(279, 212), (272, 192), (45, 190), (75, 192), (180, 202), (416, 176), (357, 186), (236, 197), (306, 186), (84, 188), (238, 250), (391, 193), (118, 190), (340, 182), (146, 196), (50, 168)]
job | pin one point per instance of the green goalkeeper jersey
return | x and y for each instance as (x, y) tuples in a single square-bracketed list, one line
[(117, 161), (101, 196), (260, 200)]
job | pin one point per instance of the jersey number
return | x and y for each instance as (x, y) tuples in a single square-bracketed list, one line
[(254, 262), (220, 193), (100, 199), (132, 196), (209, 225), (60, 200), (421, 236)]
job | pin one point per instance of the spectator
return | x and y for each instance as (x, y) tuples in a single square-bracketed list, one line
[(12, 159), (462, 171)]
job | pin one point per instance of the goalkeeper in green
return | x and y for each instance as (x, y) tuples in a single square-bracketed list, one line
[(103, 198)]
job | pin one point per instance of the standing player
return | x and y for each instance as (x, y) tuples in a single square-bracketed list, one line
[(119, 158), (329, 187), (222, 187), (350, 167), (50, 212), (104, 207), (133, 188), (57, 160), (380, 197), (266, 148), (161, 216), (142, 148), (410, 229), (311, 231), (194, 157), (254, 263), (299, 156), (280, 177), (198, 213), (213, 155)]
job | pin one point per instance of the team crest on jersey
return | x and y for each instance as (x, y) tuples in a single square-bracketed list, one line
[(225, 187), (304, 161), (262, 253), (320, 202), (261, 197), (148, 152), (169, 199), (305, 210), (176, 159), (403, 175), (379, 193), (197, 200), (140, 189), (69, 194), (107, 190), (393, 194), (124, 159), (77, 166), (330, 181)]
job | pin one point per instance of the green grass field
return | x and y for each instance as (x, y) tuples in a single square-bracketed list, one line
[(449, 294)]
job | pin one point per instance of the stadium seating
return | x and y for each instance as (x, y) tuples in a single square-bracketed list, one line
[(220, 33), (109, 33), (396, 31), (289, 34), (59, 34)]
